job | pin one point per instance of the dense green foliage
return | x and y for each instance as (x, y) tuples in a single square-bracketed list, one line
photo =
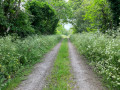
[(13, 19), (22, 25), (44, 18), (25, 18), (95, 15), (60, 30), (115, 7), (63, 9), (103, 52), (20, 53)]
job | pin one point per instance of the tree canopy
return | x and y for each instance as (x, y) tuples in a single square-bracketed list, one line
[(26, 17), (95, 15)]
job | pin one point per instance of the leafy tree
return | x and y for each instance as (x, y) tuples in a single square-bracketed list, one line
[(63, 10), (22, 25), (98, 14), (77, 19), (3, 20), (62, 31), (44, 19), (92, 15), (60, 28), (79, 23), (13, 19), (75, 4), (115, 6)]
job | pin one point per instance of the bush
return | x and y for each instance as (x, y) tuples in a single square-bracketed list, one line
[(3, 21), (103, 52), (44, 19), (26, 18), (22, 25), (20, 53), (13, 19)]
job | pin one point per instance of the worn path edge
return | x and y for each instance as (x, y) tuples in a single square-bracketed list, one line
[(36, 80), (84, 77)]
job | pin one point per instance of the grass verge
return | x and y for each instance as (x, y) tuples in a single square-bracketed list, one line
[(60, 75), (20, 76), (103, 53), (18, 57)]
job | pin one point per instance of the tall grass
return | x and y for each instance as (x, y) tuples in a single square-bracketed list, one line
[(103, 52), (16, 54)]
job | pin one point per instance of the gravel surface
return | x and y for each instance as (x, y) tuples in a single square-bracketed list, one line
[(36, 80), (83, 74)]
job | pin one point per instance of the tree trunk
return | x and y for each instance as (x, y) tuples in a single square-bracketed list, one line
[(18, 8)]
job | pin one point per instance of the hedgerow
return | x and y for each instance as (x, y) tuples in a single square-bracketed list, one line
[(103, 53), (16, 54)]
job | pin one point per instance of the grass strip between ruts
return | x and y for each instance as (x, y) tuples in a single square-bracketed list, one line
[(60, 78)]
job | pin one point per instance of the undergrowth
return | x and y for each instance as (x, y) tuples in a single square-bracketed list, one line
[(18, 55), (103, 52)]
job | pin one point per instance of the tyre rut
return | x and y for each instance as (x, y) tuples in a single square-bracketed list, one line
[(36, 80), (83, 74)]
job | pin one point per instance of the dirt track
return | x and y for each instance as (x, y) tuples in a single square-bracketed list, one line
[(36, 80), (84, 76)]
